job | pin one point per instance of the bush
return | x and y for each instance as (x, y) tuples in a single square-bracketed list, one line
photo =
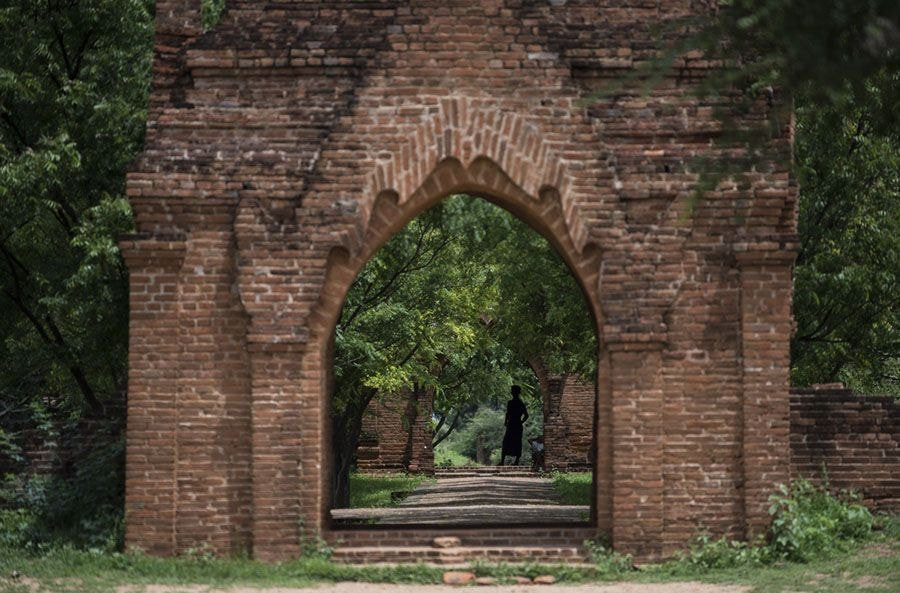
[(84, 509), (574, 487), (707, 553), (808, 522), (608, 562), (447, 457)]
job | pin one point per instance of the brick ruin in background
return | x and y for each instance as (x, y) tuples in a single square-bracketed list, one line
[(289, 143), (396, 434)]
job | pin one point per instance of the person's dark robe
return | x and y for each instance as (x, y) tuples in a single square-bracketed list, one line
[(512, 440)]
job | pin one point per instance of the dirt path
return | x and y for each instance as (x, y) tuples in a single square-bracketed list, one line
[(475, 499), (389, 588)]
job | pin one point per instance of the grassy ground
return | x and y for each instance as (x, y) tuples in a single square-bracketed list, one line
[(573, 487), (873, 568), (367, 490)]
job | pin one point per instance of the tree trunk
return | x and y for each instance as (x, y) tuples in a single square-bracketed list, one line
[(346, 429)]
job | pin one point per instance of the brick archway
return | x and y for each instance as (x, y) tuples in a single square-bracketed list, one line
[(391, 212), (285, 145)]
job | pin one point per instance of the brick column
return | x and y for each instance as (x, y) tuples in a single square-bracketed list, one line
[(154, 356), (603, 441), (637, 447), (281, 449), (766, 291)]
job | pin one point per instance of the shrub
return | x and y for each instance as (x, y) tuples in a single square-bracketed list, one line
[(808, 522), (707, 553), (84, 509), (486, 427), (574, 487), (446, 457), (607, 561)]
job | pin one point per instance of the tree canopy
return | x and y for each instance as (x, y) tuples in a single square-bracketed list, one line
[(74, 79)]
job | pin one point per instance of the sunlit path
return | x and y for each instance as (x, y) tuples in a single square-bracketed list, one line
[(477, 496)]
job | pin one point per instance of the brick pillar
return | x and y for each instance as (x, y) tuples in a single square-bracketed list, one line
[(766, 290), (397, 434), (285, 449), (421, 455), (603, 441), (154, 356), (568, 422), (555, 433), (637, 447), (213, 435)]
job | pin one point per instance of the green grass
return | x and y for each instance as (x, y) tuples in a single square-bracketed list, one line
[(871, 568), (370, 490), (573, 487)]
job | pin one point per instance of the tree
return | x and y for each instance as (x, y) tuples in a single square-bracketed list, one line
[(74, 79), (847, 279)]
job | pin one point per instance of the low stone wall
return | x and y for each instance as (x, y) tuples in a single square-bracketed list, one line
[(852, 439)]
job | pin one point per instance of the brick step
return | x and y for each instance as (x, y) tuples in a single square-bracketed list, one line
[(459, 555), (489, 470), (471, 537)]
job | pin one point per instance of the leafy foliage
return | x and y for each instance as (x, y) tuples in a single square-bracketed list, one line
[(74, 80), (84, 509), (574, 487), (211, 12), (445, 456), (807, 523), (847, 278), (608, 562), (485, 429)]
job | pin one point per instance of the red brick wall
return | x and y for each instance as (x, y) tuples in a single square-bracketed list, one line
[(287, 145), (396, 434), (854, 439), (568, 423)]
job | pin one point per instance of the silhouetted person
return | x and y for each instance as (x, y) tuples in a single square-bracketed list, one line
[(516, 415)]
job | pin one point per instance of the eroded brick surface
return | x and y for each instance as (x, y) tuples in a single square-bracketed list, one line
[(850, 441), (396, 434), (285, 146)]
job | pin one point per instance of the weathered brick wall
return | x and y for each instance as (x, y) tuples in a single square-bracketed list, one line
[(569, 423), (854, 439), (396, 434), (287, 145)]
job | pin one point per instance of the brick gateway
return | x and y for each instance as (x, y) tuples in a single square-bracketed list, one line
[(286, 145)]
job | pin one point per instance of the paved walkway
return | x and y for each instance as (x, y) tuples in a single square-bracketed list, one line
[(477, 499)]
